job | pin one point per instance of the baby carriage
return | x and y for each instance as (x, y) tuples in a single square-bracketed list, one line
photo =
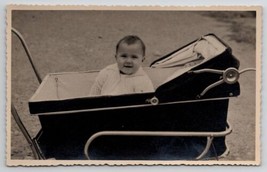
[(185, 118)]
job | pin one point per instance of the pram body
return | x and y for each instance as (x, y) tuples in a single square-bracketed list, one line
[(184, 102)]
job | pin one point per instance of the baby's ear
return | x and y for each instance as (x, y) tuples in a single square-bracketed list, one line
[(143, 59)]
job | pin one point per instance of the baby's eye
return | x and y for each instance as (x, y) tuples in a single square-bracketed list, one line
[(134, 57), (123, 55)]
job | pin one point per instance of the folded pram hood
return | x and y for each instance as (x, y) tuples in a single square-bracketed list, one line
[(206, 47), (208, 52)]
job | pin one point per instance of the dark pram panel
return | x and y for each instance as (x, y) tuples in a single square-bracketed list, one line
[(67, 123), (71, 131)]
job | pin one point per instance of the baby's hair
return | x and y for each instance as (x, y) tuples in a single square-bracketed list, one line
[(131, 39)]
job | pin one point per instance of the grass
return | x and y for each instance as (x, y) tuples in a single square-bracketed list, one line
[(242, 32)]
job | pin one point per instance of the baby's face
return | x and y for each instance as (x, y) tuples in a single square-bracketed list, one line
[(129, 57)]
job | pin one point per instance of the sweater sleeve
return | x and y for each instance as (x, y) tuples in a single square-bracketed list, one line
[(143, 83), (97, 86), (148, 86)]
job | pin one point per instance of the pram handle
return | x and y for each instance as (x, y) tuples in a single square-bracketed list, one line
[(31, 141), (229, 76), (27, 51)]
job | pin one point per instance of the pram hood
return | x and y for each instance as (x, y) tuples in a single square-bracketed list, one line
[(170, 75), (207, 52)]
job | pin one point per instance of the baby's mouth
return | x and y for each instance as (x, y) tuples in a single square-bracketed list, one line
[(126, 66)]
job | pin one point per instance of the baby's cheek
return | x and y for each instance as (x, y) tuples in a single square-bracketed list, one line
[(135, 69)]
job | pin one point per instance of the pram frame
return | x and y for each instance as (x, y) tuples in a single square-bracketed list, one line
[(209, 135)]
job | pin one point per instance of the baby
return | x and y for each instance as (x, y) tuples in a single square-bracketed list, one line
[(126, 76)]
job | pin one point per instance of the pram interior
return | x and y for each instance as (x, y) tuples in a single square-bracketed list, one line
[(69, 116)]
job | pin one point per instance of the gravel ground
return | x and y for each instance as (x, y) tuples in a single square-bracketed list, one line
[(63, 41)]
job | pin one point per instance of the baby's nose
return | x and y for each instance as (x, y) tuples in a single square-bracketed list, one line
[(129, 60)]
